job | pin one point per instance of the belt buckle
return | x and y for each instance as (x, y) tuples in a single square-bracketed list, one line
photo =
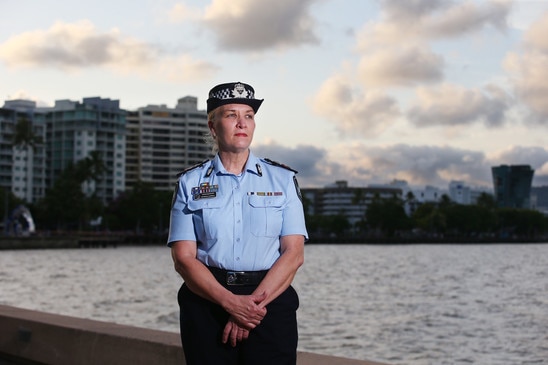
[(233, 278)]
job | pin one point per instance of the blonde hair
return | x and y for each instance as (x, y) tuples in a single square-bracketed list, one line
[(209, 139)]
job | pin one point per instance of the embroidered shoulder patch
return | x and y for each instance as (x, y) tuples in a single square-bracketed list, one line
[(192, 167), (275, 163)]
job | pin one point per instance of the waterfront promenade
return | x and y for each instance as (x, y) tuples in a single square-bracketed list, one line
[(33, 337)]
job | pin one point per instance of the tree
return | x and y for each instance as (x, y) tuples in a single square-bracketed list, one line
[(23, 136), (387, 215), (63, 206), (429, 218), (487, 201), (141, 209)]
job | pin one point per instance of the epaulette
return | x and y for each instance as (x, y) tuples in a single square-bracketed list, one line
[(275, 163), (192, 167)]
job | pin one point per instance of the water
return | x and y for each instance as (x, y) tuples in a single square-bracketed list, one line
[(417, 304)]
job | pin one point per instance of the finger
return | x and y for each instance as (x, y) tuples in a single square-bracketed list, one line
[(226, 331)]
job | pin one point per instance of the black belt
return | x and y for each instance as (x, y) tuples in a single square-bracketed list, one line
[(231, 277)]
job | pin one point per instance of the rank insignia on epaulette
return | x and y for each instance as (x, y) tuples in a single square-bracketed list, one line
[(192, 167), (275, 163)]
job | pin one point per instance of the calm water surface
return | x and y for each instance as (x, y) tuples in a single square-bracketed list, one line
[(417, 304)]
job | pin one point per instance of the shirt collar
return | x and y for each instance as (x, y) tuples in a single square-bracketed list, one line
[(252, 165)]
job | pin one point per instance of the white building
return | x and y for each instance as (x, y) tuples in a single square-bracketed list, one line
[(340, 199), (22, 168), (162, 141), (75, 129)]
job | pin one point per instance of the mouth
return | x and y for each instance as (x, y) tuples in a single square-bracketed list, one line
[(241, 135)]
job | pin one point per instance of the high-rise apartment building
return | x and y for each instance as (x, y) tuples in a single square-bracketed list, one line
[(512, 185), (22, 167), (75, 129), (162, 141), (341, 199)]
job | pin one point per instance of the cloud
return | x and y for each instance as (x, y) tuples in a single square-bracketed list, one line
[(180, 13), (423, 20), (529, 70), (24, 95), (418, 165), (535, 37), (453, 105), (74, 46), (405, 65), (249, 25), (422, 165), (309, 161), (536, 157), (354, 113)]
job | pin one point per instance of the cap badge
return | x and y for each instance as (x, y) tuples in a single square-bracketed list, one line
[(240, 91)]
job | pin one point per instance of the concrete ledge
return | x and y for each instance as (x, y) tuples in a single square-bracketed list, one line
[(44, 338)]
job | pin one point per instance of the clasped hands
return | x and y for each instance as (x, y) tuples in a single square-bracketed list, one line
[(246, 314)]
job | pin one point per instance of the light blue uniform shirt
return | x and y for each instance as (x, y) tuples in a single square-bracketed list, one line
[(237, 221)]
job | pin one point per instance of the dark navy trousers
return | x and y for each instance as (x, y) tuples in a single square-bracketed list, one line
[(273, 342)]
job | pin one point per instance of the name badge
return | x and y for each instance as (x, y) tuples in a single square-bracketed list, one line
[(204, 191)]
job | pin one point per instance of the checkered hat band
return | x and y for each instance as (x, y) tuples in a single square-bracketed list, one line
[(231, 93)]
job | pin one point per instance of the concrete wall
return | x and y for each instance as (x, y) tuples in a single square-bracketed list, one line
[(44, 338)]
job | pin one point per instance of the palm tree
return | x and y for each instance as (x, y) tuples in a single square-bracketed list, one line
[(24, 136), (92, 167), (24, 144)]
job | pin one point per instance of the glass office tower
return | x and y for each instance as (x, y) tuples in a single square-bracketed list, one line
[(512, 185)]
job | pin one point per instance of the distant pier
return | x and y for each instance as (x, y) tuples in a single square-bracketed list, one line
[(60, 241)]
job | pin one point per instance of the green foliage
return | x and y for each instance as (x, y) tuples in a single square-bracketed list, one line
[(328, 225), (141, 209), (8, 202), (521, 222), (387, 216), (24, 136), (64, 204), (429, 218)]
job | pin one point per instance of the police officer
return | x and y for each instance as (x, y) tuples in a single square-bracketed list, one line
[(237, 235)]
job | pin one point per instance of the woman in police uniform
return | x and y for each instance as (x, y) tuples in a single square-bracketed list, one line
[(237, 237)]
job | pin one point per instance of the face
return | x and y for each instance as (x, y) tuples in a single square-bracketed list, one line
[(233, 126)]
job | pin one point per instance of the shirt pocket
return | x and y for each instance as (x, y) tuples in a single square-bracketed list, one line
[(266, 215), (206, 217)]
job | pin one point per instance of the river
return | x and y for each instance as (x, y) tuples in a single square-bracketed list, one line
[(399, 304)]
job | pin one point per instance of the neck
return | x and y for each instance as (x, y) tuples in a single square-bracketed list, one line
[(234, 162)]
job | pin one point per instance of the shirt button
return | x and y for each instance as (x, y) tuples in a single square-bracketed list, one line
[(238, 221), (237, 259), (237, 240)]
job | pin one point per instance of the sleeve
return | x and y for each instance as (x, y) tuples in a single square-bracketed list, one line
[(181, 224), (293, 216)]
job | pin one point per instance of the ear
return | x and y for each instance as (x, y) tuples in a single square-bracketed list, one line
[(211, 129)]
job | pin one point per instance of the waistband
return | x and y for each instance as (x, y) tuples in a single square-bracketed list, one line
[(231, 277)]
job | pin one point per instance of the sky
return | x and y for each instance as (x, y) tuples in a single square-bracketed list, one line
[(367, 91)]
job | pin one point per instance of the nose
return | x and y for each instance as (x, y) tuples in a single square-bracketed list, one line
[(241, 121)]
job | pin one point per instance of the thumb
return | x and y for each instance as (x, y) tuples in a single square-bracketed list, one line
[(258, 298)]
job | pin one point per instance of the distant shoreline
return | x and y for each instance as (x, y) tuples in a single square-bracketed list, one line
[(423, 240), (113, 240)]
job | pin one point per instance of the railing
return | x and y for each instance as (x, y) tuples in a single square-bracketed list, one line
[(32, 337)]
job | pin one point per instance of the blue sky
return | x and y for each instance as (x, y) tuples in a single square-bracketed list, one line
[(426, 91)]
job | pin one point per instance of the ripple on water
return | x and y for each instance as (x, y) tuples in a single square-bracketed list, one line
[(416, 304)]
